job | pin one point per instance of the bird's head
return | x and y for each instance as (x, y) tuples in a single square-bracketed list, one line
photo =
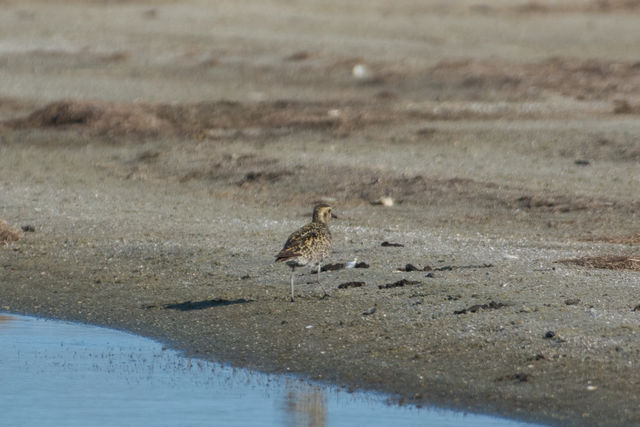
[(322, 213)]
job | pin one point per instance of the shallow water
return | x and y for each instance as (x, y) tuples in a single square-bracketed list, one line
[(58, 373)]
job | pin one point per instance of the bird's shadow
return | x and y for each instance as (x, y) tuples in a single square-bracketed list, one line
[(200, 305)]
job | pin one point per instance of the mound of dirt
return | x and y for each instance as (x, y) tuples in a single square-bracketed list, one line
[(108, 119), (632, 239), (593, 79), (559, 203), (96, 118), (611, 262), (546, 7)]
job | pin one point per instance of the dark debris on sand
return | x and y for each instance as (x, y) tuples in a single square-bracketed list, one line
[(475, 308), (348, 285), (393, 245), (399, 283)]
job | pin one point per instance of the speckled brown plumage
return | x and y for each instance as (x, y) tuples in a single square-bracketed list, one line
[(310, 244)]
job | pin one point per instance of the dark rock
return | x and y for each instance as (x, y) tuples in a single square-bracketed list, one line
[(460, 267), (300, 55), (203, 304), (399, 283), (537, 357), (370, 311), (389, 244), (519, 376)]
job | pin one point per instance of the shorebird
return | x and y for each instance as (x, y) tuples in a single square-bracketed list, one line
[(309, 244)]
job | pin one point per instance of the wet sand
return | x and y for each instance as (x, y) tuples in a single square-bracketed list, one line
[(162, 154)]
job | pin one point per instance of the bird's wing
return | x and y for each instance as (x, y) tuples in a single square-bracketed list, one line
[(298, 242)]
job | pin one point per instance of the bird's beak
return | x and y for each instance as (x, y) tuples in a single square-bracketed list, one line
[(334, 215)]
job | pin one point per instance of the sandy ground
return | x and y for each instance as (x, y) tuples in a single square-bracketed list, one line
[(158, 156)]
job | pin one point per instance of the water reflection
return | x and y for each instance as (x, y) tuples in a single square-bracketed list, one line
[(305, 405), (87, 376)]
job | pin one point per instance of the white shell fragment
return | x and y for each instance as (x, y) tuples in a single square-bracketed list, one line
[(361, 71), (384, 201)]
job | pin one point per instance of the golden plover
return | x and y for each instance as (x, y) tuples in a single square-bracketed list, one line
[(310, 244)]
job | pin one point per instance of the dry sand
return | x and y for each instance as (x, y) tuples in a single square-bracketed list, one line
[(161, 154)]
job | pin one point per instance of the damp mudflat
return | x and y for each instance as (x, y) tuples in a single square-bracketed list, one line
[(60, 373)]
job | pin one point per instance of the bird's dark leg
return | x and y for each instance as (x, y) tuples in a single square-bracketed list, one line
[(292, 270)]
